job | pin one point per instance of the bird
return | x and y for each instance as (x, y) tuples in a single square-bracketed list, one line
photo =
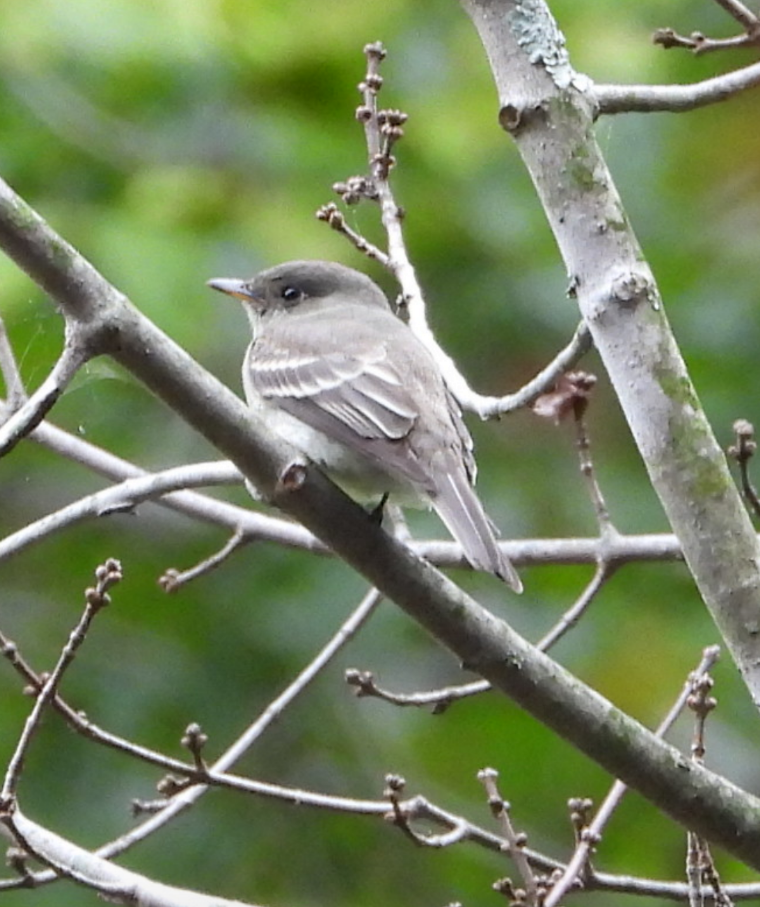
[(332, 370)]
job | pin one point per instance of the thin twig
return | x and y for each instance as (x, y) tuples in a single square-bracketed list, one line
[(382, 129), (604, 570), (335, 219), (215, 774), (566, 359), (273, 711), (364, 684), (440, 699), (500, 810), (593, 833), (79, 722), (96, 598), (418, 808), (611, 99), (742, 451), (700, 44), (119, 499), (34, 409), (700, 866), (172, 579), (10, 371), (586, 462)]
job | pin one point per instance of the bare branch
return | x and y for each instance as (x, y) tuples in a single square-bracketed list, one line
[(96, 598), (418, 807), (34, 409), (500, 810), (333, 217), (119, 499), (197, 506), (592, 834), (383, 128), (532, 552), (188, 797), (173, 579), (619, 300), (10, 371), (579, 345), (570, 618), (116, 883), (364, 684), (700, 44), (611, 99), (742, 451)]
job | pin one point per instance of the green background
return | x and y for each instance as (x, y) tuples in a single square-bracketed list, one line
[(179, 140)]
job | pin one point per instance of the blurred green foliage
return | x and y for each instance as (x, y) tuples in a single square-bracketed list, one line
[(176, 140)]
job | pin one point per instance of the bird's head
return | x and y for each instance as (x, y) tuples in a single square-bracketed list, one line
[(289, 285)]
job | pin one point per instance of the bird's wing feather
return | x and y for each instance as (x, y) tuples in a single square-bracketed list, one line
[(360, 389), (465, 438), (356, 398), (277, 374)]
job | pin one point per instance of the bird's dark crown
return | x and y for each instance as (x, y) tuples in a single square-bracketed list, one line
[(288, 284)]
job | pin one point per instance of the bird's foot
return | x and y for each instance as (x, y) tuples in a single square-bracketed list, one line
[(376, 513)]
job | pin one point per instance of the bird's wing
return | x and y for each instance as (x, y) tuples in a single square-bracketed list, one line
[(360, 389), (356, 398), (359, 399), (467, 448)]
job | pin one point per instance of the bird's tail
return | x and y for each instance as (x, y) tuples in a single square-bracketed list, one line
[(459, 507)]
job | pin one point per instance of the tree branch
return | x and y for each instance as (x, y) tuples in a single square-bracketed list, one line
[(34, 409), (119, 885), (551, 123), (674, 98)]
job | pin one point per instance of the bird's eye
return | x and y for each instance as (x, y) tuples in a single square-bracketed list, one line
[(291, 294)]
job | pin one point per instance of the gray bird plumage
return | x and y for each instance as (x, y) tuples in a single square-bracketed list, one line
[(335, 372)]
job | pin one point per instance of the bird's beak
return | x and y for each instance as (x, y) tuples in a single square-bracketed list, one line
[(231, 286)]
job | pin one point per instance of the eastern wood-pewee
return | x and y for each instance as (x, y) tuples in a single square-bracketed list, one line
[(334, 372)]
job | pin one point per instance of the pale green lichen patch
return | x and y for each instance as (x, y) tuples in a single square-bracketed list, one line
[(22, 214), (690, 439), (61, 253), (618, 223), (678, 388), (26, 220), (581, 174)]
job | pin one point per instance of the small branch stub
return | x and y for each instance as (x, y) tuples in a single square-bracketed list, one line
[(194, 740), (292, 478), (510, 119)]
